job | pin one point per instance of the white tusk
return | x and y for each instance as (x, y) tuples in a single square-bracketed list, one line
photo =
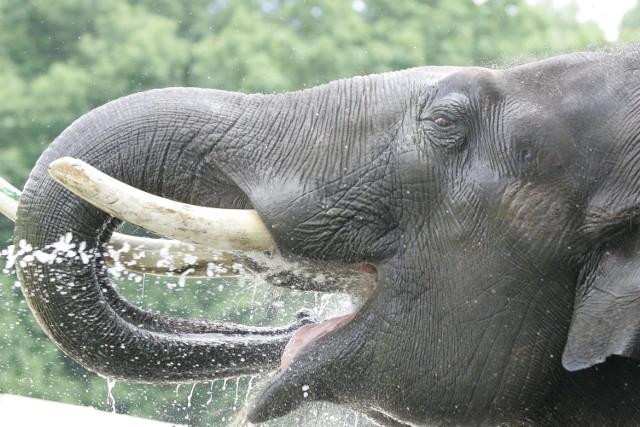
[(222, 229), (146, 255), (161, 256), (9, 199), (169, 257)]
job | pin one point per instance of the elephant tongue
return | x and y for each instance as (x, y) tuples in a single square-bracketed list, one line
[(308, 334)]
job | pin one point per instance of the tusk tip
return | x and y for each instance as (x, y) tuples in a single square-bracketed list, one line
[(64, 163), (71, 173)]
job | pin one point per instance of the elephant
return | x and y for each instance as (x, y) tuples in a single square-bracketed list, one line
[(495, 207)]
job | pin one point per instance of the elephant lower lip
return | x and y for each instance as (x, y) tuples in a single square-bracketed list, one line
[(309, 334)]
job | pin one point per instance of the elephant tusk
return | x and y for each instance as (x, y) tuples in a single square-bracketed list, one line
[(169, 257), (9, 199), (223, 229), (143, 254), (237, 248)]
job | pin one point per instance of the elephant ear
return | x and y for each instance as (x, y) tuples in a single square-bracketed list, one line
[(606, 316)]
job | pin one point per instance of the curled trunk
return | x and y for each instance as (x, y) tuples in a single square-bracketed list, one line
[(61, 239)]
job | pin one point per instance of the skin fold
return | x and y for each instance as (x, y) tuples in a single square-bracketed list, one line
[(497, 208)]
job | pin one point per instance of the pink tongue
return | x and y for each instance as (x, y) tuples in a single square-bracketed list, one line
[(309, 334)]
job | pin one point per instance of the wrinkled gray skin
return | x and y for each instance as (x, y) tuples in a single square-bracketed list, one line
[(499, 207)]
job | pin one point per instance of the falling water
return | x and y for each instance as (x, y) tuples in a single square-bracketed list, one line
[(111, 383), (210, 393), (235, 401), (246, 397), (190, 395)]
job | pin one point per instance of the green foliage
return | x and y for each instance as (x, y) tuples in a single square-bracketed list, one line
[(57, 62), (60, 59), (630, 26)]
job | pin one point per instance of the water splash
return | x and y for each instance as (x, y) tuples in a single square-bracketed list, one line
[(111, 383), (191, 395), (189, 398), (246, 397), (210, 393), (235, 401)]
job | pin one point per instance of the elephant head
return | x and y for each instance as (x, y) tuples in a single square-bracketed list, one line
[(496, 207)]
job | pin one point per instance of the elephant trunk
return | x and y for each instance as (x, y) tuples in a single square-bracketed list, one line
[(140, 140)]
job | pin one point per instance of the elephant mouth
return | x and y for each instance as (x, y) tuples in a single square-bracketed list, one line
[(308, 334), (208, 242)]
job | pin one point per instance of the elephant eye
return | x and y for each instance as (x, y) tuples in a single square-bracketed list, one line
[(443, 123), (444, 131)]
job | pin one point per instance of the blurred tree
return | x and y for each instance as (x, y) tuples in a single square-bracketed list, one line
[(58, 62), (630, 26)]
